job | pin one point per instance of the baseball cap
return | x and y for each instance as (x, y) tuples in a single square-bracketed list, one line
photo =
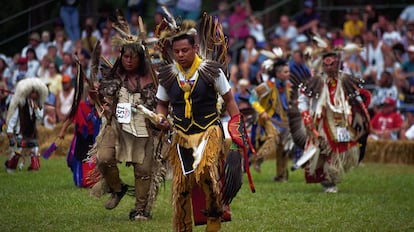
[(34, 36), (308, 3), (389, 101), (66, 78), (22, 60), (301, 38)]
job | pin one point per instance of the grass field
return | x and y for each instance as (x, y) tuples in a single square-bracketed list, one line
[(373, 197)]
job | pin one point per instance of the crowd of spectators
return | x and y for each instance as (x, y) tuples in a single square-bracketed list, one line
[(385, 59)]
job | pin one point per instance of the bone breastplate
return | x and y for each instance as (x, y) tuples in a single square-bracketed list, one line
[(338, 126), (136, 124)]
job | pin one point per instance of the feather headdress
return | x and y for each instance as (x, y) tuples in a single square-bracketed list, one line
[(323, 48), (23, 90), (170, 28), (124, 36), (208, 34), (275, 54), (212, 41)]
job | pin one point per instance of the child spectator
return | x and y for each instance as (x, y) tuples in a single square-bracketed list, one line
[(387, 122), (49, 119)]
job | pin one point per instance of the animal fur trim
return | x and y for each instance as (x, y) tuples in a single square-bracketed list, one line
[(208, 70), (23, 90), (210, 163)]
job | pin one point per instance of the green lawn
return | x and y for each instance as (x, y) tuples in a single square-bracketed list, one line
[(373, 197)]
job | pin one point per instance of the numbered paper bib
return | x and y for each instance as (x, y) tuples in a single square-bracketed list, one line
[(123, 112), (342, 134)]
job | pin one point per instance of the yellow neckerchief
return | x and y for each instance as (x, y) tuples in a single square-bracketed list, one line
[(190, 72), (186, 87)]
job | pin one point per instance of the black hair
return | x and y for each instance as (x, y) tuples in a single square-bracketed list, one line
[(137, 50), (33, 51), (277, 65), (251, 37), (190, 39)]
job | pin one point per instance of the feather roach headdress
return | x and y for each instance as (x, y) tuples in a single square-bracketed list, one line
[(272, 56), (208, 34), (169, 29)]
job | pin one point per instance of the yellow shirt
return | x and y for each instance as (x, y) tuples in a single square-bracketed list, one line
[(55, 83), (353, 28)]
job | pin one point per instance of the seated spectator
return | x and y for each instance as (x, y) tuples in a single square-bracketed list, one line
[(370, 16), (391, 36), (353, 26), (324, 32), (44, 44), (32, 63), (43, 70), (4, 92), (133, 23), (407, 14), (239, 29), (381, 25), (373, 55), (352, 60), (54, 79), (62, 44), (337, 38), (106, 42), (5, 71), (256, 29), (223, 16), (287, 32), (387, 122), (307, 22), (249, 64), (91, 26), (34, 40), (64, 98), (242, 91), (51, 98), (405, 78), (49, 119), (407, 128), (20, 73), (385, 89), (66, 67), (89, 40), (391, 64), (298, 60), (52, 51), (302, 43)]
